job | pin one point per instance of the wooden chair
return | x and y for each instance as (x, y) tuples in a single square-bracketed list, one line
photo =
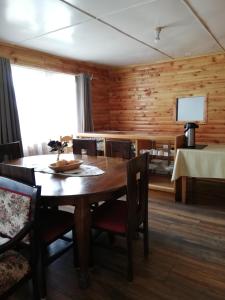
[(127, 217), (54, 224), (84, 144), (17, 227), (69, 140), (10, 151), (25, 175), (115, 148)]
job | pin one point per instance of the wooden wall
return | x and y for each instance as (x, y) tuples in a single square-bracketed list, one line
[(28, 57), (143, 97)]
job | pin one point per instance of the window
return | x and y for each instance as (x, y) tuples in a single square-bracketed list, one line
[(46, 103)]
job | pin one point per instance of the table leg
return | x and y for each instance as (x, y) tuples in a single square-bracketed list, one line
[(82, 224), (181, 190), (184, 189)]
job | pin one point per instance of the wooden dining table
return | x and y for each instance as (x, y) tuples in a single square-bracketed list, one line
[(80, 192)]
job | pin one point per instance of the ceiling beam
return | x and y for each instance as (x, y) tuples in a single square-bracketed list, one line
[(117, 29), (202, 22)]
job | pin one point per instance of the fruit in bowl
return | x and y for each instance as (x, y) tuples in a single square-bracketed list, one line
[(65, 165)]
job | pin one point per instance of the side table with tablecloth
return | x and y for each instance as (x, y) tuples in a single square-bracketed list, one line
[(208, 162)]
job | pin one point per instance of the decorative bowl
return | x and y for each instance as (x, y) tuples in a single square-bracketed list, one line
[(64, 165)]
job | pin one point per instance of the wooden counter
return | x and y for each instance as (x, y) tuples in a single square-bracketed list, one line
[(144, 140), (137, 137)]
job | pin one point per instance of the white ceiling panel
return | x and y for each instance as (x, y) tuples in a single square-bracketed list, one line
[(82, 42), (213, 14), (181, 33), (25, 19), (100, 8), (115, 32)]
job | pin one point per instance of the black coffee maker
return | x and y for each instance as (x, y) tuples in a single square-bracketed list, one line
[(189, 132)]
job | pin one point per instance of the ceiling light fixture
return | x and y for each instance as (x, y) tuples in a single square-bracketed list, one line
[(157, 34)]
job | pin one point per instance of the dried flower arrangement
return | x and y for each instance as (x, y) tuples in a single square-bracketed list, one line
[(57, 146)]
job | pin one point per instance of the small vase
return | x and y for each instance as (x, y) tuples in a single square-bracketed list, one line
[(58, 154)]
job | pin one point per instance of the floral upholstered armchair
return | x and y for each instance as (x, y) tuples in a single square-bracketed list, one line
[(18, 203)]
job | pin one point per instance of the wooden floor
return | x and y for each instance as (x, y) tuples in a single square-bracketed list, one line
[(186, 261)]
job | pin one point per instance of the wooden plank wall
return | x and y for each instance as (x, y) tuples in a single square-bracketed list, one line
[(100, 83), (143, 97)]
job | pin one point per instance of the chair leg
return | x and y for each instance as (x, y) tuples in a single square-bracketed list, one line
[(43, 286), (146, 239), (111, 238), (130, 258), (75, 250), (36, 287)]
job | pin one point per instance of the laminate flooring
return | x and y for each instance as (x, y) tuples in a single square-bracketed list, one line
[(186, 260)]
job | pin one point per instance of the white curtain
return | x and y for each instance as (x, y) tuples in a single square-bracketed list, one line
[(46, 105)]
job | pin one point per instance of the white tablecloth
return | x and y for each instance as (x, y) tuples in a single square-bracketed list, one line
[(206, 163)]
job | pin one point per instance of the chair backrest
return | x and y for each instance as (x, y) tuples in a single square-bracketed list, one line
[(66, 138), (115, 148), (18, 202), (19, 205), (137, 190), (10, 151), (84, 144), (22, 174), (69, 140)]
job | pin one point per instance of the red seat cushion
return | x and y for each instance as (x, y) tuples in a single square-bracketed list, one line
[(55, 223), (111, 216)]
